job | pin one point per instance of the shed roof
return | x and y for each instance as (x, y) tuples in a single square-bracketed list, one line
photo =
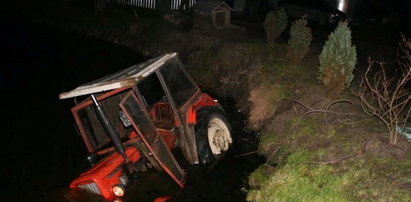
[(209, 5), (126, 77)]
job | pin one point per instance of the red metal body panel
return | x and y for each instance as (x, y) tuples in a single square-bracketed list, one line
[(204, 100), (168, 137), (191, 117), (106, 173), (163, 118), (162, 199), (161, 112)]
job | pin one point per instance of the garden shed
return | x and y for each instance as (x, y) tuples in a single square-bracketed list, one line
[(214, 13)]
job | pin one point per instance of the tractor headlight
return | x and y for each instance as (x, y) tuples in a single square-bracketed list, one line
[(118, 190)]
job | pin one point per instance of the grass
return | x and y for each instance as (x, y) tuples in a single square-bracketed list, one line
[(265, 141), (365, 177), (379, 179), (297, 180)]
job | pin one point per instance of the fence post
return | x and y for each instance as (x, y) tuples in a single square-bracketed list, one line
[(99, 6)]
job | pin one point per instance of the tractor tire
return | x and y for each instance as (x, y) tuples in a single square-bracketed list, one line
[(213, 135)]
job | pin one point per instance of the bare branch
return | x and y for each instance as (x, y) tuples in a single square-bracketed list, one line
[(309, 110), (387, 97)]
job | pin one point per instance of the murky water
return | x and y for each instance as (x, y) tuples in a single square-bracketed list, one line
[(40, 149), (228, 178)]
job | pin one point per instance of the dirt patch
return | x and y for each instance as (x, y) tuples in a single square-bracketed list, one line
[(265, 103), (379, 146), (259, 106)]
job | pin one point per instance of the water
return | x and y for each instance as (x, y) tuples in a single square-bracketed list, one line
[(40, 149), (227, 180)]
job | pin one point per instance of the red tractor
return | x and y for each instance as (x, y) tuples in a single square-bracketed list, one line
[(141, 115)]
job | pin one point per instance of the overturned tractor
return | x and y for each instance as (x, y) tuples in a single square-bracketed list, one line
[(141, 115)]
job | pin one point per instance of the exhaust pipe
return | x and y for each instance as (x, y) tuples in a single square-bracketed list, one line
[(109, 128)]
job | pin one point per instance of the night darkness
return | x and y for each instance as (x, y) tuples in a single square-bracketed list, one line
[(40, 150)]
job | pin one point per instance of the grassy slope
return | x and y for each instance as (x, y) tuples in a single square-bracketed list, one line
[(343, 158)]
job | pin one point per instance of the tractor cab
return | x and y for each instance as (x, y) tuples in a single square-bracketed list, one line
[(137, 117)]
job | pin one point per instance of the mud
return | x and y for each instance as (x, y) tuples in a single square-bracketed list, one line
[(226, 180)]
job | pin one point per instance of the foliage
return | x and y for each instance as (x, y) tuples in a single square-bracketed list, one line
[(274, 25), (299, 42), (337, 60), (387, 96)]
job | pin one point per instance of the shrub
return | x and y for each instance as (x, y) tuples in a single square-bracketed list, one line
[(337, 60), (300, 40), (274, 25), (386, 95)]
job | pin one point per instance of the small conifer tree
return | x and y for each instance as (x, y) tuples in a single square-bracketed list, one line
[(274, 25), (299, 42), (337, 60)]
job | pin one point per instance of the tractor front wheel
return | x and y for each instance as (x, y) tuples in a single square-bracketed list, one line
[(213, 135)]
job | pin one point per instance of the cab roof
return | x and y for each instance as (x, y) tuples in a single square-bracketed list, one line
[(126, 77)]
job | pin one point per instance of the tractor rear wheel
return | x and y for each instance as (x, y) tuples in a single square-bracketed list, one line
[(213, 135)]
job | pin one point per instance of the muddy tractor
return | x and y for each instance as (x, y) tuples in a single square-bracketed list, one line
[(139, 118)]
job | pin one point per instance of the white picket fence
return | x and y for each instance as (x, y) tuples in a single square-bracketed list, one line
[(151, 4)]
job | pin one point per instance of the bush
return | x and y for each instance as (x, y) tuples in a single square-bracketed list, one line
[(274, 25), (386, 95), (300, 40), (337, 60)]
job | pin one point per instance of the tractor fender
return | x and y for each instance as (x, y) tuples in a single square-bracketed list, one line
[(203, 101)]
